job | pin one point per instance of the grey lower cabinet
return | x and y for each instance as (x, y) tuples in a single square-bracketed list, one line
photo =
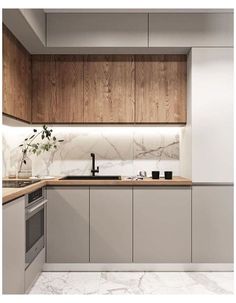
[(110, 224), (13, 243), (162, 224), (212, 224), (68, 225)]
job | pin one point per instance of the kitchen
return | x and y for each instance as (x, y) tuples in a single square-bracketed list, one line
[(117, 151)]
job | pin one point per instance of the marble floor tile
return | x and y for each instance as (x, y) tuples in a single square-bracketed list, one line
[(115, 283)]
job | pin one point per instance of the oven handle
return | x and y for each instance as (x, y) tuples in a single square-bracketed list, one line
[(30, 210)]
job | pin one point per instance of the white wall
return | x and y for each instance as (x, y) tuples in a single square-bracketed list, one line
[(212, 114)]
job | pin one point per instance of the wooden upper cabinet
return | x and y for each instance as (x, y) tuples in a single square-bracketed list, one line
[(109, 85), (161, 89), (57, 94), (16, 78)]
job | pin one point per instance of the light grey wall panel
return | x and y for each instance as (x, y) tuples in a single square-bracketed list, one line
[(212, 227), (162, 225), (97, 30), (111, 224), (187, 30), (68, 225), (13, 243)]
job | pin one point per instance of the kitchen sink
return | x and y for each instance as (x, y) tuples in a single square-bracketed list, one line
[(91, 178)]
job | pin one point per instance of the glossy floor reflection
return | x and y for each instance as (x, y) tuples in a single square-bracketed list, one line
[(134, 283)]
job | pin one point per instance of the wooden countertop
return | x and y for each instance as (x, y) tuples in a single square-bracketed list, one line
[(9, 194)]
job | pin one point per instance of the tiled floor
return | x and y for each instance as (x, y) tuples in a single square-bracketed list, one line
[(134, 283)]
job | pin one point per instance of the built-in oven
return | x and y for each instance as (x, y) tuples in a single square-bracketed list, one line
[(35, 218)]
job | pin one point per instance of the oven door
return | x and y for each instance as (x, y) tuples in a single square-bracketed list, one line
[(34, 228)]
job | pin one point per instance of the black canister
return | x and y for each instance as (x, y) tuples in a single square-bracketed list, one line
[(168, 175), (155, 174)]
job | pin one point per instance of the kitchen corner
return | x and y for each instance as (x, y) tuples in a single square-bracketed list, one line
[(117, 144)]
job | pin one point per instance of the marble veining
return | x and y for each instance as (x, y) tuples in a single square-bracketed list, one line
[(139, 283), (119, 150)]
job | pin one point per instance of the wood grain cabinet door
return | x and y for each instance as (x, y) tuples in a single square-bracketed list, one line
[(16, 78), (162, 225), (57, 94), (109, 89), (160, 89)]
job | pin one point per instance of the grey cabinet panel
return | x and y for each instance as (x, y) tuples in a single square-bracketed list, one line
[(68, 225), (162, 225), (13, 243), (189, 30), (97, 30), (110, 224), (33, 271), (212, 226)]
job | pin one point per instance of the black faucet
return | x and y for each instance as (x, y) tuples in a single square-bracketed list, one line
[(93, 170)]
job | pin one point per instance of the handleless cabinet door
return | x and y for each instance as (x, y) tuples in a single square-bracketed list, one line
[(213, 240), (160, 88), (57, 94), (109, 89), (68, 225), (110, 225), (16, 78), (162, 225), (13, 244)]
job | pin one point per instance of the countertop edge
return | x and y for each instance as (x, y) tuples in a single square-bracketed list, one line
[(15, 193)]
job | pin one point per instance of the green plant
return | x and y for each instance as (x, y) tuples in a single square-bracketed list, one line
[(30, 146)]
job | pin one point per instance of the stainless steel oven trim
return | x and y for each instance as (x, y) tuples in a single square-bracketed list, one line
[(44, 196), (30, 211), (36, 207)]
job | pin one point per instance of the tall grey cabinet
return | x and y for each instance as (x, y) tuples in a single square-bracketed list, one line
[(13, 244), (162, 225), (110, 224), (68, 225), (212, 226)]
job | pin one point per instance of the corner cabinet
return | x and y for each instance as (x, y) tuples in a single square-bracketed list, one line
[(13, 244), (162, 225), (16, 78), (68, 225)]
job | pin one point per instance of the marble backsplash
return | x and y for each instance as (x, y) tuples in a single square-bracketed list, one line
[(119, 150)]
